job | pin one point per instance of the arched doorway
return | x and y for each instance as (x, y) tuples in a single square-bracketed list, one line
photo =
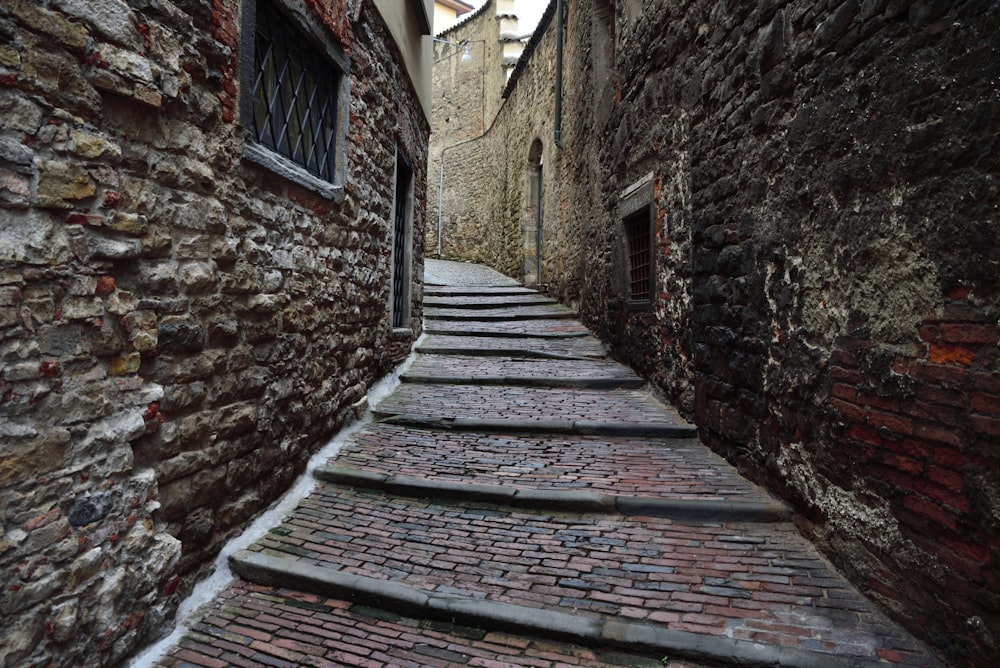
[(534, 215)]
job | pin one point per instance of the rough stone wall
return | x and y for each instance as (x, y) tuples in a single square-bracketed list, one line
[(179, 328), (825, 199)]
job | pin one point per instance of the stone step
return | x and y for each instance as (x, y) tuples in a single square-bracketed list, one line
[(643, 466), (541, 328), (512, 314), (649, 429), (480, 302), (531, 370), (261, 626), (477, 291), (732, 592), (561, 501), (528, 405)]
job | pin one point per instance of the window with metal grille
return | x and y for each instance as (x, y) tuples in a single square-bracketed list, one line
[(294, 96), (638, 236)]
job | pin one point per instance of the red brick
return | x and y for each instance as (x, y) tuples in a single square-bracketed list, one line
[(930, 333), (931, 511), (843, 358), (945, 477), (895, 423), (938, 434), (848, 410), (970, 333), (939, 395), (986, 424), (941, 353), (944, 495), (846, 376), (984, 382), (987, 404), (940, 374), (844, 391), (865, 434)]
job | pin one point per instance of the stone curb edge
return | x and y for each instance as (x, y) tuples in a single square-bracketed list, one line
[(578, 427), (621, 382), (689, 510), (630, 636), (444, 302), (505, 352), (500, 317), (487, 334)]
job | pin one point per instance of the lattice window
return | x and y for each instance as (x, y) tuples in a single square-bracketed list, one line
[(295, 95), (638, 235)]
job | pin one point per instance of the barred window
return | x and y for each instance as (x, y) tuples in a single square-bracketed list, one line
[(295, 98), (638, 235)]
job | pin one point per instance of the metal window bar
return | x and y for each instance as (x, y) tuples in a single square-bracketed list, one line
[(637, 232), (294, 96)]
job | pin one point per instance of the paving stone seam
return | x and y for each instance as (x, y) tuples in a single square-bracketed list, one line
[(625, 383), (684, 510), (488, 334), (578, 427), (477, 306), (503, 317), (631, 636)]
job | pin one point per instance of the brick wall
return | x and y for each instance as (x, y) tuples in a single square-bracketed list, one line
[(179, 328), (824, 198)]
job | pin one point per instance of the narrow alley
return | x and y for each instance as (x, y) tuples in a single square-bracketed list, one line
[(520, 499)]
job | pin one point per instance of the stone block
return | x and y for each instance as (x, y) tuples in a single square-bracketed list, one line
[(101, 247), (94, 147), (81, 308), (15, 189), (19, 114), (181, 334), (124, 365), (61, 184), (141, 329), (23, 461), (18, 597), (50, 23), (112, 19)]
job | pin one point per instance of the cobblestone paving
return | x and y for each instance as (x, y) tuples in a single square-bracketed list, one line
[(501, 312), (725, 592), (676, 468), (529, 328), (458, 366), (525, 403), (755, 582), (257, 626), (575, 346), (475, 303)]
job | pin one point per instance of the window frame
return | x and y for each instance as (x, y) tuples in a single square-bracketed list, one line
[(635, 204), (316, 36)]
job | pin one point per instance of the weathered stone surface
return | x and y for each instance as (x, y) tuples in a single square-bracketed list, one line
[(825, 298), (89, 509), (153, 287)]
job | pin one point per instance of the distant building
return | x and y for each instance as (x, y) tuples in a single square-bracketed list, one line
[(447, 13)]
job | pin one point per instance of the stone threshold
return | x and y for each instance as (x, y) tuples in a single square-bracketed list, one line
[(634, 637), (492, 334), (578, 427), (557, 500), (445, 303), (501, 317), (508, 352), (615, 383)]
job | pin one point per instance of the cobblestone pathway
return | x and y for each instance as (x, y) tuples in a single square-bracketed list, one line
[(519, 500)]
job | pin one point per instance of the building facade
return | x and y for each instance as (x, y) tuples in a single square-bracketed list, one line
[(211, 226), (785, 215)]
